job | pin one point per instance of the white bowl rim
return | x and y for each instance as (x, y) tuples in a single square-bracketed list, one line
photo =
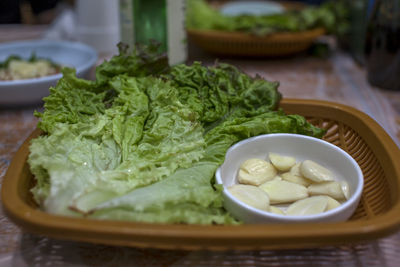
[(290, 218), (37, 43)]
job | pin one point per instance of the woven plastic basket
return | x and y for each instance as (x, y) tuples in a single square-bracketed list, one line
[(242, 44), (377, 215)]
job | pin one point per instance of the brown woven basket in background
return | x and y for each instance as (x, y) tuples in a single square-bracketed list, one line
[(243, 44), (247, 45), (377, 215)]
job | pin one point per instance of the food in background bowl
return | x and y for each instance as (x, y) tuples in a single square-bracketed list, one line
[(29, 83), (17, 68)]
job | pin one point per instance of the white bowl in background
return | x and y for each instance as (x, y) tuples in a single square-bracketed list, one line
[(252, 8), (301, 147), (31, 91)]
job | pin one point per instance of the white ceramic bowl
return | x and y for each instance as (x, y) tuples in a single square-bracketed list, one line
[(258, 8), (301, 147), (31, 91)]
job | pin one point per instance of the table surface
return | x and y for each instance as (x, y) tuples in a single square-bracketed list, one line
[(337, 78)]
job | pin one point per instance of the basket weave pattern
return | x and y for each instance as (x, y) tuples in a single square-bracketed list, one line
[(243, 44), (375, 199)]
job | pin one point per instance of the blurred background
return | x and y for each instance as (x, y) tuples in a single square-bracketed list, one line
[(51, 12), (366, 29)]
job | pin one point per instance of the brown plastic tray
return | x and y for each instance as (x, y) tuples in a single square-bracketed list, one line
[(377, 215), (243, 44)]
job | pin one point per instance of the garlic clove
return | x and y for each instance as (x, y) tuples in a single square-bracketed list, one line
[(281, 191), (332, 203), (345, 189), (315, 172), (256, 172), (276, 210), (288, 176), (332, 189), (295, 170), (282, 163), (251, 195), (308, 206)]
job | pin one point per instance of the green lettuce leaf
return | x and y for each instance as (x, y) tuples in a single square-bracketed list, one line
[(185, 196), (142, 61), (330, 15), (222, 90), (72, 100), (128, 146)]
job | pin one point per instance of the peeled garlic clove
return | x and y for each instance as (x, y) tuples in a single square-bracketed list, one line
[(288, 176), (282, 163), (332, 203), (315, 172), (256, 172), (281, 191), (277, 178), (345, 189), (276, 210), (295, 170), (251, 195), (332, 189), (308, 206), (246, 178)]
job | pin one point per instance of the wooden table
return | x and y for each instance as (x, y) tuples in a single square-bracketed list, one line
[(337, 79)]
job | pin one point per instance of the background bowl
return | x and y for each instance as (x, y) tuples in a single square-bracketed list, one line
[(301, 147), (31, 91)]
